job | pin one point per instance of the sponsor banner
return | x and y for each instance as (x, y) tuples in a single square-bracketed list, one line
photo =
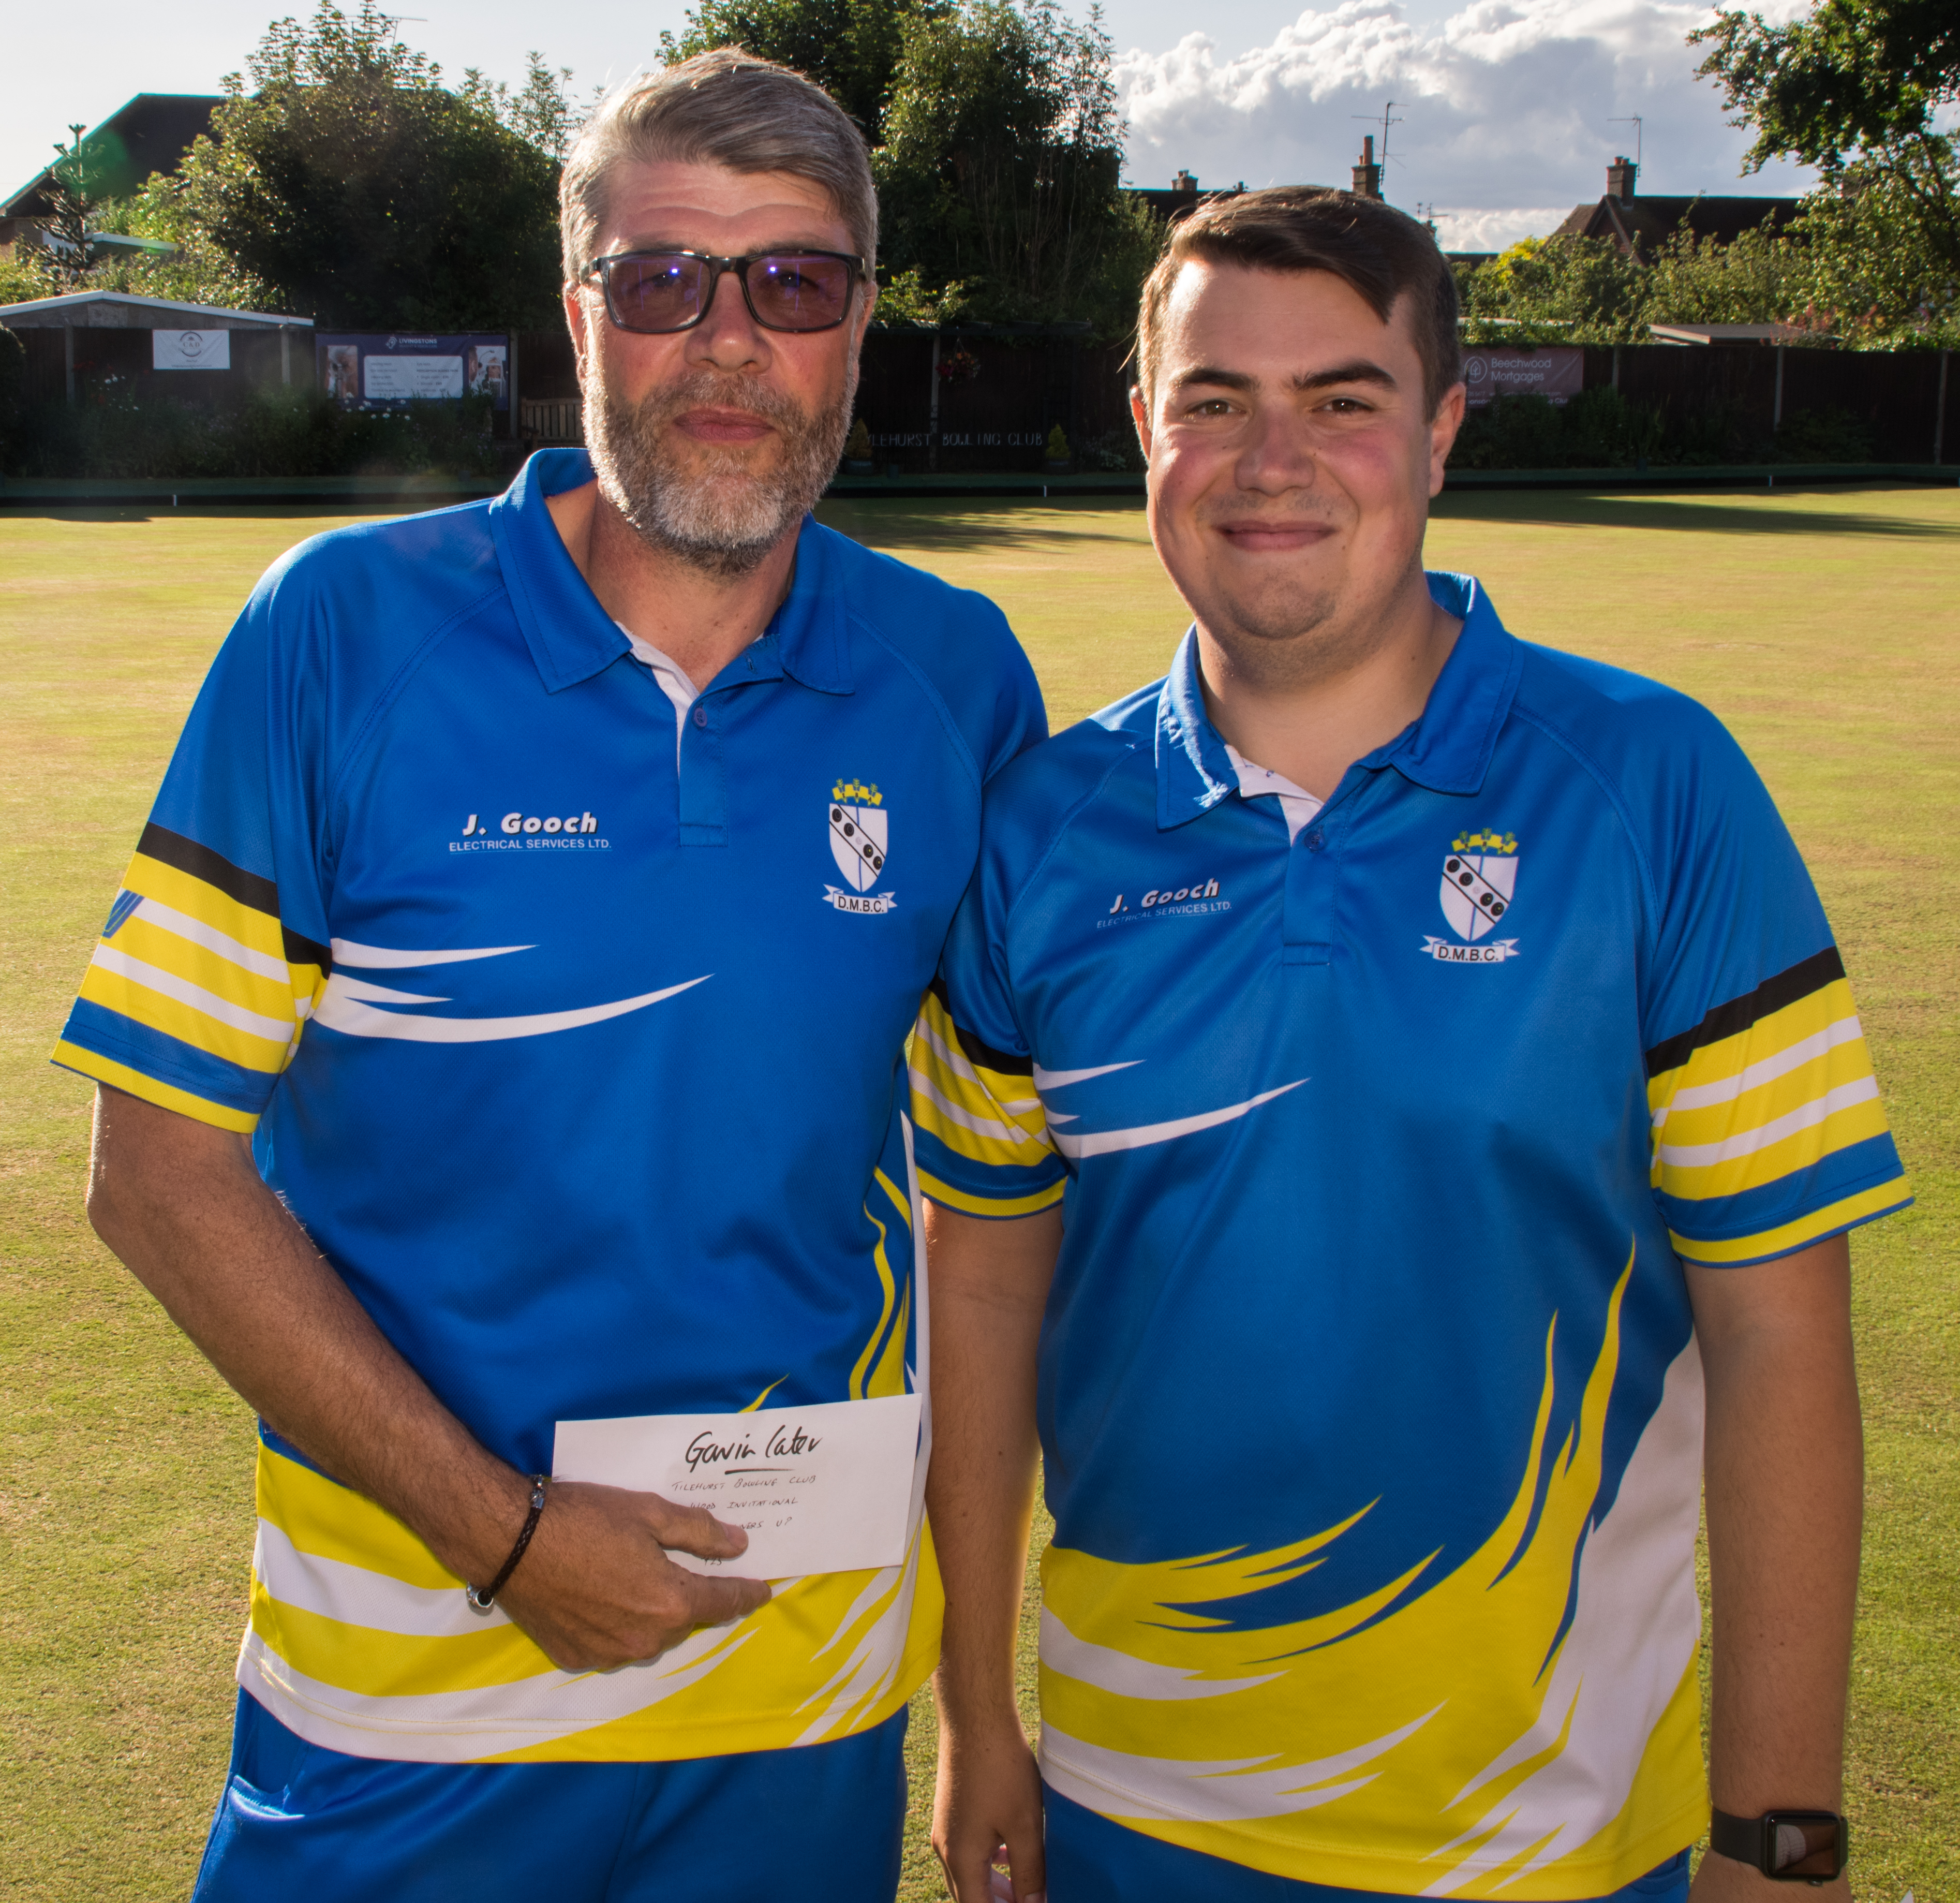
[(1557, 373), (385, 370), (190, 350)]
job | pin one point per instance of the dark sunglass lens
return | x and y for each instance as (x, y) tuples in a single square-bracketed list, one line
[(659, 292), (800, 291)]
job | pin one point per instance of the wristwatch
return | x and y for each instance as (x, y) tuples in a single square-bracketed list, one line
[(1791, 1846)]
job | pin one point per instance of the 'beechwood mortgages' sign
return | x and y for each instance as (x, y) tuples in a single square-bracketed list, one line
[(1556, 373)]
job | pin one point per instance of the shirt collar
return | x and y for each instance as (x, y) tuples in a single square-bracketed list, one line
[(571, 637), (1447, 748)]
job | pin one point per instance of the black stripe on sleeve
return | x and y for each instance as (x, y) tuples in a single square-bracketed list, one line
[(305, 951), (1773, 995), (186, 855), (172, 849), (1004, 1061)]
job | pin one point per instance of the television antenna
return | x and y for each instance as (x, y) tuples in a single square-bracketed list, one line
[(1387, 120), (1634, 120)]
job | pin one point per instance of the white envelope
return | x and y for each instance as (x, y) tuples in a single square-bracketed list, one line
[(823, 1489)]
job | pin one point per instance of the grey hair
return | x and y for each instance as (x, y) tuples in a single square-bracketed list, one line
[(727, 108)]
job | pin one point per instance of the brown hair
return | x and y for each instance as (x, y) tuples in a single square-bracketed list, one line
[(727, 108), (1383, 254)]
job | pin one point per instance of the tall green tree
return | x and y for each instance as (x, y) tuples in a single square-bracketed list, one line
[(1857, 88), (997, 144), (1004, 146), (349, 184), (62, 259), (1853, 74), (850, 48)]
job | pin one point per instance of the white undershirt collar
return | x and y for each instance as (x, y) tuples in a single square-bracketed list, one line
[(673, 682), (1254, 782)]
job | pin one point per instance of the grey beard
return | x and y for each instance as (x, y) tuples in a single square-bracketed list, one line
[(708, 510)]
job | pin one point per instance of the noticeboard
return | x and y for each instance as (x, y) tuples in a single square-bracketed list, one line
[(1557, 374), (381, 371), (190, 350)]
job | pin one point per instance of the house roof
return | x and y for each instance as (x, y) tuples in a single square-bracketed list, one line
[(121, 310), (149, 133), (1181, 200), (1730, 333), (1643, 223)]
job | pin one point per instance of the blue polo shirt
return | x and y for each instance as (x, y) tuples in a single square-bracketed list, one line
[(574, 1041), (1369, 1390)]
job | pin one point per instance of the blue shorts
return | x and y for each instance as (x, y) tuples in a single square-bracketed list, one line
[(822, 1824), (1092, 1860)]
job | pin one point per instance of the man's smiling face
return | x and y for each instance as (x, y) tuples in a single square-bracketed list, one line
[(1291, 460), (713, 441)]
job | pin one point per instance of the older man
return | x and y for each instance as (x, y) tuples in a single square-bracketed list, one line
[(498, 1034), (1456, 1097)]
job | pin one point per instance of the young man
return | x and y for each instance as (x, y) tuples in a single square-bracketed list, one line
[(546, 889), (1455, 1097)]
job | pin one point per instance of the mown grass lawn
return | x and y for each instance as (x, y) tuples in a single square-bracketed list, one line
[(1823, 628)]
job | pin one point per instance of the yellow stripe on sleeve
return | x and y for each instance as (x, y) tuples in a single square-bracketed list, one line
[(140, 1083), (1848, 1213), (986, 1116), (944, 1192), (184, 892), (151, 996), (1776, 1097), (1715, 1070)]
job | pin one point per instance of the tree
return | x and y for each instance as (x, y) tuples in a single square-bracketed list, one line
[(1856, 74), (63, 258), (850, 48), (1880, 243), (348, 185), (1003, 147), (1571, 290), (1856, 89), (997, 144)]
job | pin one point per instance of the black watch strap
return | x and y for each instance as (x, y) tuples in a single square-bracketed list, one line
[(1790, 1846)]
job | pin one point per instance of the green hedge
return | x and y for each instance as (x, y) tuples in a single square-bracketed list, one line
[(1598, 429), (276, 431)]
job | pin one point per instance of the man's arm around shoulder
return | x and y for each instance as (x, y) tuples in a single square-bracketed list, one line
[(182, 1205)]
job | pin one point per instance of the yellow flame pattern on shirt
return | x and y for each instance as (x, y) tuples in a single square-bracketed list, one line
[(1429, 1748)]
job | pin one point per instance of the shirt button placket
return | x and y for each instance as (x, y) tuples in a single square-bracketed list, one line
[(704, 791), (1308, 919)]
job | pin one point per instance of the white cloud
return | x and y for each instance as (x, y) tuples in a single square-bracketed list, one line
[(1506, 108)]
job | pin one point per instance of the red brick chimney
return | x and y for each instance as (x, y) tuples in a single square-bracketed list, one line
[(1367, 173), (1620, 178)]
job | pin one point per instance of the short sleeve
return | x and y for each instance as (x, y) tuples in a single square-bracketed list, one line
[(1020, 717), (1768, 1134), (981, 1137), (212, 957)]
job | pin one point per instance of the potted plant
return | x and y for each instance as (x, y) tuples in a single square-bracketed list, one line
[(858, 459), (1057, 451)]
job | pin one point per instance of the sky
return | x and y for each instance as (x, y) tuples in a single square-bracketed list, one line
[(1506, 108)]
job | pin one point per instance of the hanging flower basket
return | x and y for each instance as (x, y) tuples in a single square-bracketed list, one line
[(959, 366)]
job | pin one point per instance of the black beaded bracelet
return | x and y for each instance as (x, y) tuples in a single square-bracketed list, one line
[(484, 1597)]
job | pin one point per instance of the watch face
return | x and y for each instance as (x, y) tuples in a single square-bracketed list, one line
[(1805, 1845)]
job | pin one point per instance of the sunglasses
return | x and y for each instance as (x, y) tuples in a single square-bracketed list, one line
[(654, 292)]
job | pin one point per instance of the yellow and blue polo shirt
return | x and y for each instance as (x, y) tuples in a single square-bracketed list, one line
[(571, 1028), (1369, 1389)]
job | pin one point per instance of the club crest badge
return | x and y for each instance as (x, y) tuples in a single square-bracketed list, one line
[(860, 842), (1480, 877)]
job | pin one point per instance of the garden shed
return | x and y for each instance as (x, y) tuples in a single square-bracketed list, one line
[(86, 338)]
